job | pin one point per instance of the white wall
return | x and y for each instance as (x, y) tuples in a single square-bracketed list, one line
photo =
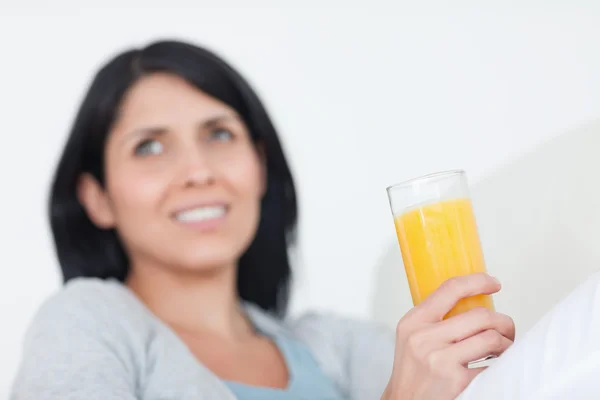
[(363, 97)]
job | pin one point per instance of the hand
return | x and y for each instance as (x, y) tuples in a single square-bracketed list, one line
[(431, 357)]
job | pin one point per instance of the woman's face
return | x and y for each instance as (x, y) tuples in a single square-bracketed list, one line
[(184, 181)]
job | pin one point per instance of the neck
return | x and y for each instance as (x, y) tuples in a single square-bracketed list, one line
[(192, 302)]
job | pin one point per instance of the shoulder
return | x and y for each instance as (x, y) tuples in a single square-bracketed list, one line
[(89, 333), (85, 292), (87, 300), (88, 309)]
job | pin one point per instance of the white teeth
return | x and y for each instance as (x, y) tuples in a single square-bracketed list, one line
[(201, 214)]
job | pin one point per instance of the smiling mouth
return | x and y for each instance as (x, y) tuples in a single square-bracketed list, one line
[(202, 214)]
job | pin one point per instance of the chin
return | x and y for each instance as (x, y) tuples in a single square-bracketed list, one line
[(205, 262), (210, 266), (205, 255)]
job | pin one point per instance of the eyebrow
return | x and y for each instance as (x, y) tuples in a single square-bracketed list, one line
[(157, 131), (220, 118)]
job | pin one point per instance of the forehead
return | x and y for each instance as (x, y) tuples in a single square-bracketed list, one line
[(164, 99)]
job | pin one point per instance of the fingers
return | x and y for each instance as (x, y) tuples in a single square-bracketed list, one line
[(439, 335), (441, 301), (476, 347), (472, 322)]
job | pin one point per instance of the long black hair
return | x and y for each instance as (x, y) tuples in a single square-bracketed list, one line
[(84, 250)]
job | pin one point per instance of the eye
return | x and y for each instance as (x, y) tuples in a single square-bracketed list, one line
[(149, 147), (221, 135)]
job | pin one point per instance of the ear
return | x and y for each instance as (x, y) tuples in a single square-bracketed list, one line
[(95, 201), (262, 159)]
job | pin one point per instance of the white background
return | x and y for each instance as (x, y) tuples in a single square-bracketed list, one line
[(363, 97)]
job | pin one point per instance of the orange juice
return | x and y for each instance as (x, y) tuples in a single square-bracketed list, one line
[(439, 241)]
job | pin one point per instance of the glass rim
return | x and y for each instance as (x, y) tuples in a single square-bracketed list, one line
[(425, 178)]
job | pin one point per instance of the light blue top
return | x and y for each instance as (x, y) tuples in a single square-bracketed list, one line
[(95, 340), (307, 381)]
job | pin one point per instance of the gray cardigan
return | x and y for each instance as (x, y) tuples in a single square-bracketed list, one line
[(94, 340)]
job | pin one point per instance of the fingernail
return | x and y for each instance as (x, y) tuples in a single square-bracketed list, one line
[(496, 280)]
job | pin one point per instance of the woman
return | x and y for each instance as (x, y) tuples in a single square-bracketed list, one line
[(172, 210)]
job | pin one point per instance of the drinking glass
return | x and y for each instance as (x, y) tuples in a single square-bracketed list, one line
[(438, 235)]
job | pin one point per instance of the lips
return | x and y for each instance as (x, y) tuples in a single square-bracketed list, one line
[(201, 214)]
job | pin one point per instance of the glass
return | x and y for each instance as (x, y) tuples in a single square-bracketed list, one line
[(438, 235)]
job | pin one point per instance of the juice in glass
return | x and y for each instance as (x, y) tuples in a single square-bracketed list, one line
[(438, 235)]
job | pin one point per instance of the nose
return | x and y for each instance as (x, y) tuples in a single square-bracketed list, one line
[(196, 168)]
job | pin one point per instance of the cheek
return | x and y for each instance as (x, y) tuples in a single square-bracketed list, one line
[(134, 194), (245, 178)]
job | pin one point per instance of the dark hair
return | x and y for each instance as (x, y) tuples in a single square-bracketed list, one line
[(84, 250)]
